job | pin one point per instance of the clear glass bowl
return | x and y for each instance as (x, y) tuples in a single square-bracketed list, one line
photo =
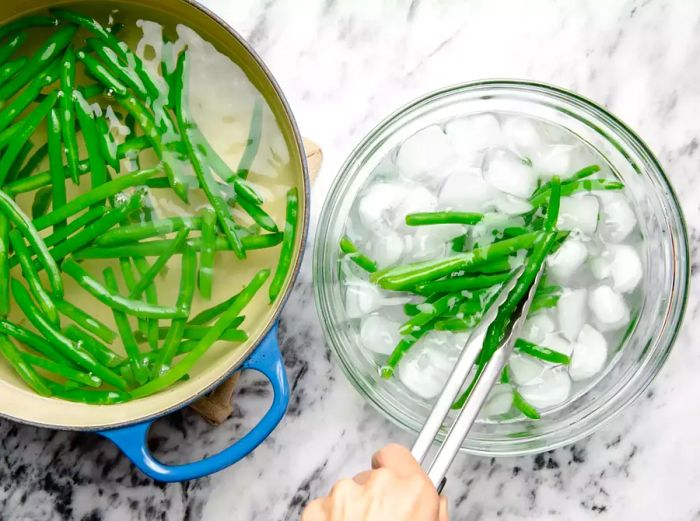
[(649, 340)]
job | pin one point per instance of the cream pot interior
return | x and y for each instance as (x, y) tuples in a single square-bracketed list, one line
[(224, 98), (651, 334)]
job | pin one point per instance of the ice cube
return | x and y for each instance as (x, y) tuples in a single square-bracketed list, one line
[(557, 343), (554, 388), (511, 205), (416, 199), (425, 368), (426, 154), (579, 213), (523, 135), (499, 402), (431, 242), (386, 247), (525, 370), (567, 260), (600, 266), (571, 312), (538, 327), (377, 203), (618, 218), (590, 354), (625, 268), (379, 335), (553, 160), (609, 308), (472, 135), (508, 173), (363, 298), (466, 191)]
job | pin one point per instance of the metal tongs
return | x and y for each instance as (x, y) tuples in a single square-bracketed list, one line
[(455, 383)]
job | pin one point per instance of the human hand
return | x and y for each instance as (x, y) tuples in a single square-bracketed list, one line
[(395, 489)]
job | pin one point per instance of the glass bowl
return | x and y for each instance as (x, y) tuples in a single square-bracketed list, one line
[(649, 339)]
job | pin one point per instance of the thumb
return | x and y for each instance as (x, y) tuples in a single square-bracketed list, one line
[(442, 515)]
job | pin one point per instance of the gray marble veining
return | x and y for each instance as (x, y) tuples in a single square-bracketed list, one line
[(345, 65)]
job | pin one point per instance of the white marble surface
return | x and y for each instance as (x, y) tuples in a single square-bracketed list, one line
[(344, 65)]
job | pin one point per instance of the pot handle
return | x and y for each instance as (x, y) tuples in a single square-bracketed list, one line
[(132, 439)]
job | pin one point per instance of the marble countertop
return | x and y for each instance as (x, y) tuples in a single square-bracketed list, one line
[(345, 65)]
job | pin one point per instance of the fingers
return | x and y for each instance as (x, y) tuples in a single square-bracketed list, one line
[(397, 459), (442, 515), (363, 477), (315, 511)]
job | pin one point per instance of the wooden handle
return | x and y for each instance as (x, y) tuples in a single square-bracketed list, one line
[(216, 407)]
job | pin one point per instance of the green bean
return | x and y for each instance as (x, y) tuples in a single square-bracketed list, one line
[(8, 70), (27, 229), (4, 266), (44, 178), (585, 172), (130, 280), (492, 267), (550, 222), (408, 276), (427, 218), (130, 346), (74, 352), (211, 313), (31, 339), (28, 126), (32, 277), (232, 334), (523, 406), (354, 254), (68, 116), (124, 74), (96, 195), (26, 22), (176, 245), (146, 230), (148, 125), (259, 216), (75, 225), (458, 324), (91, 397), (107, 143), (403, 347), (587, 185), (184, 301), (16, 166), (23, 369), (86, 120), (429, 312), (43, 57), (461, 283), (254, 135), (204, 177), (102, 74), (58, 184), (288, 242), (9, 48), (222, 324), (90, 91), (102, 353), (541, 352), (88, 234), (206, 260), (33, 162), (86, 321), (62, 370), (156, 248), (118, 302), (151, 325)]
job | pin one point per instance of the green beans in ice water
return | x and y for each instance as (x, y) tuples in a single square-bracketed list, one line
[(428, 218), (354, 254)]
